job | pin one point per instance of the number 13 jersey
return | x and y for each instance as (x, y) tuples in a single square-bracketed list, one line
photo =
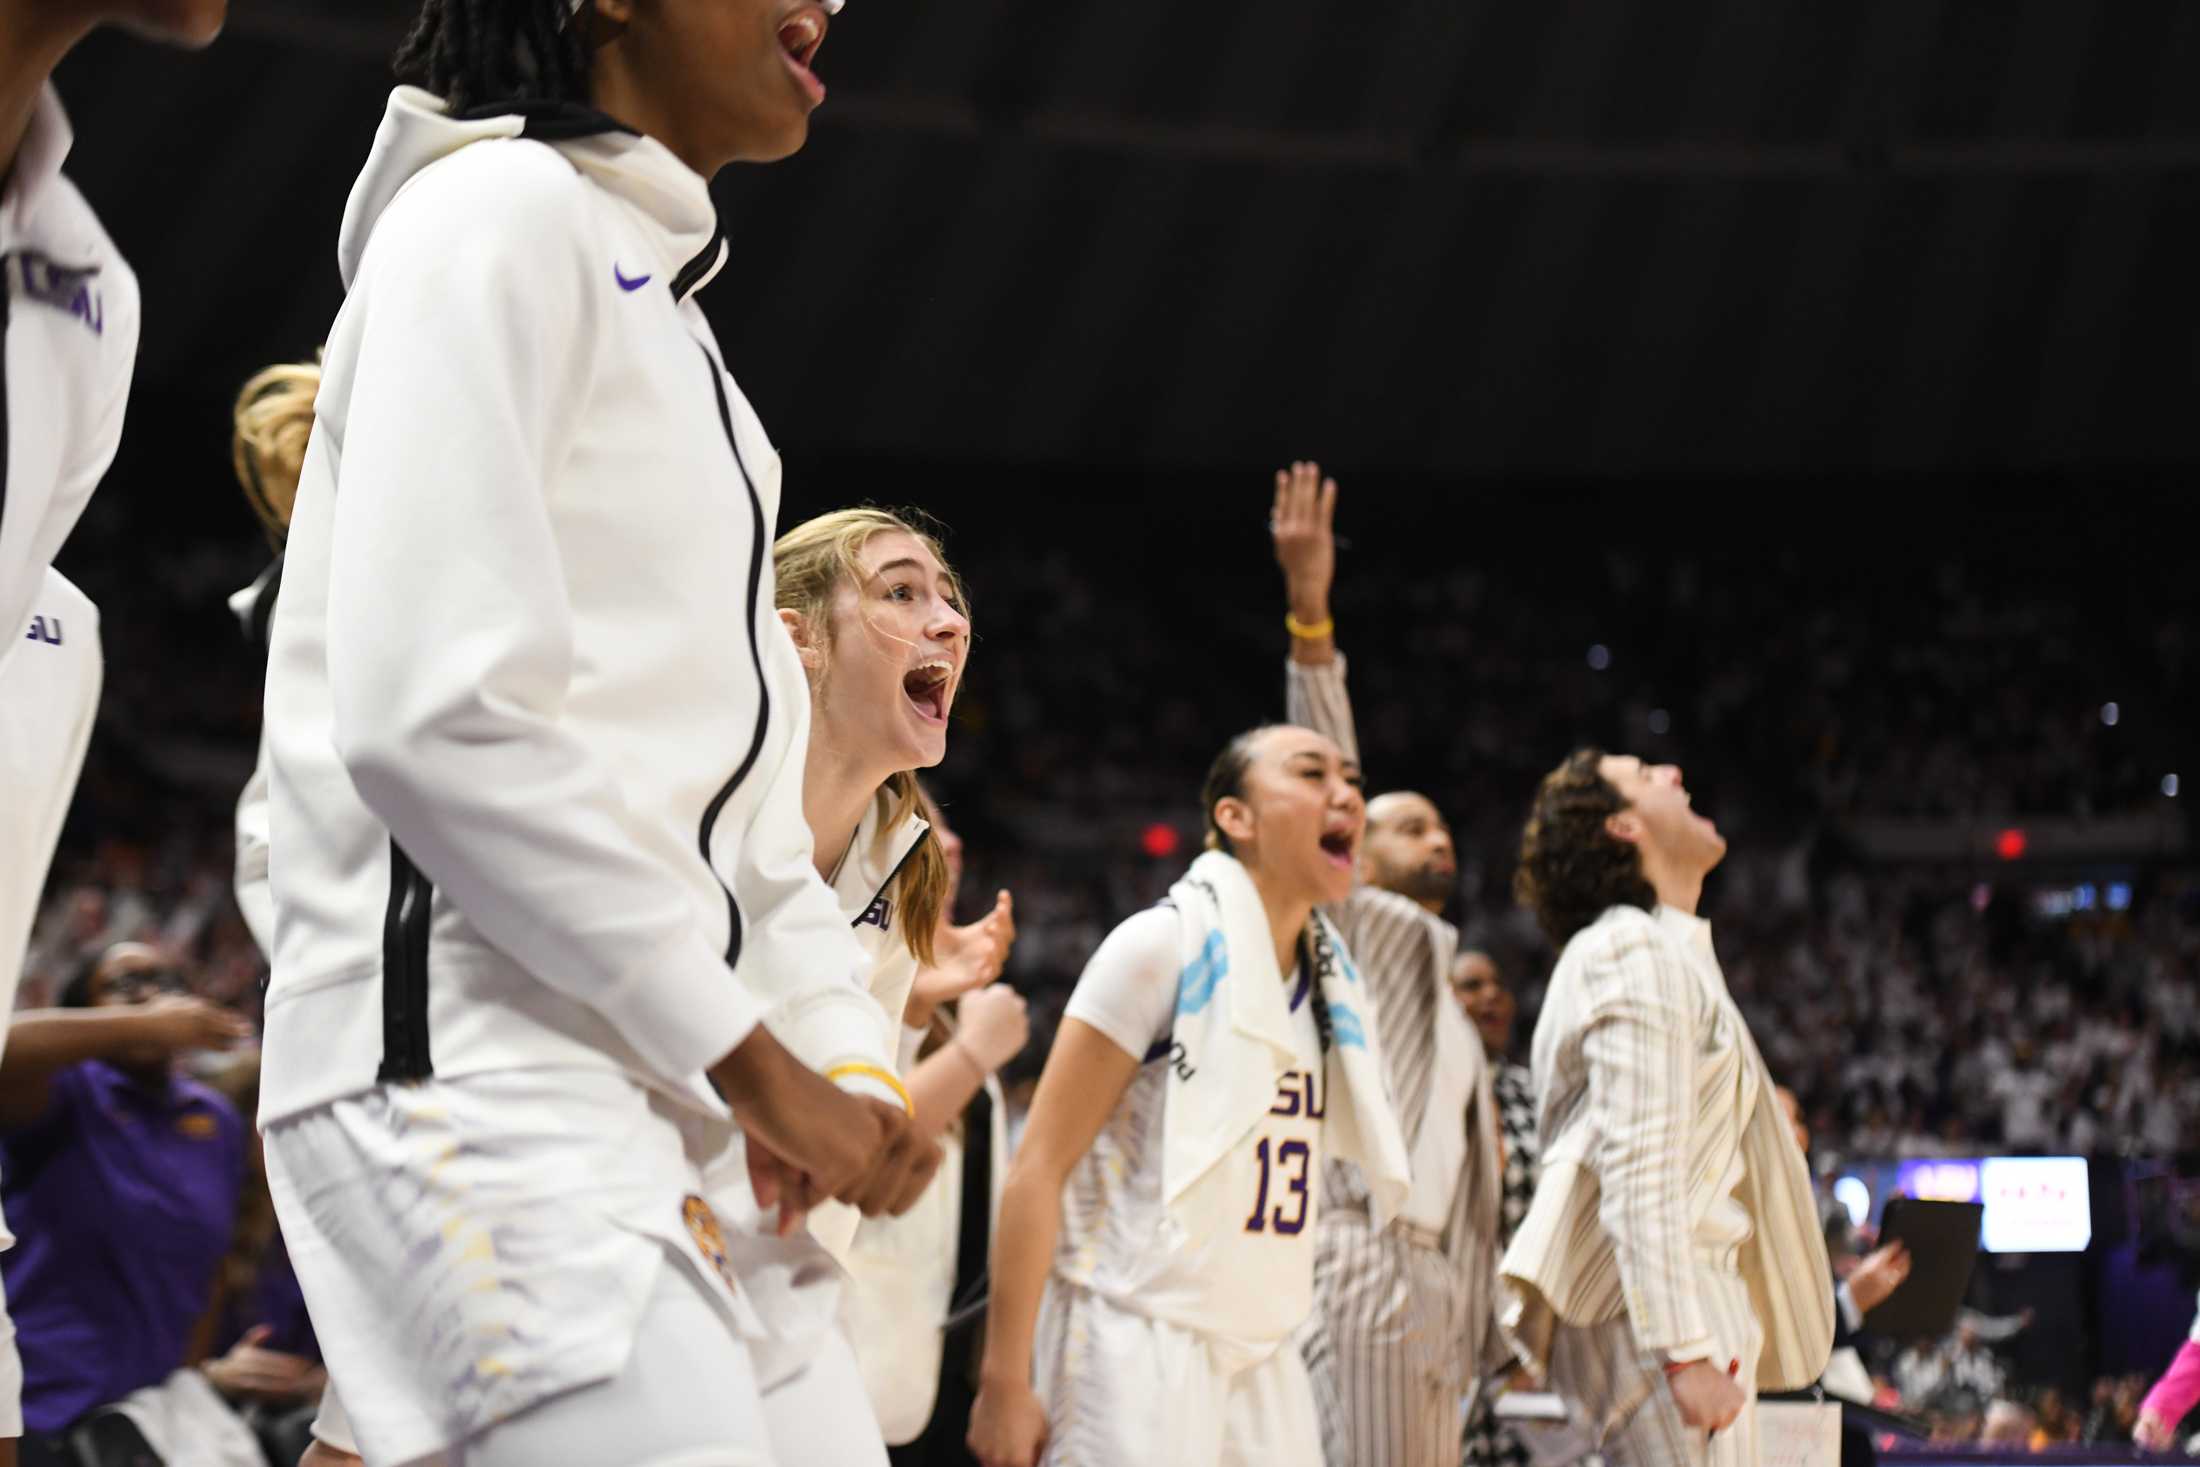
[(1235, 1257)]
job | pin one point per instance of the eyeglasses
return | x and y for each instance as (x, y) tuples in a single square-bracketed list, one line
[(136, 987)]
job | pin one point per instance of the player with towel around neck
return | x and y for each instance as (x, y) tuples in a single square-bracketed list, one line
[(1155, 1252)]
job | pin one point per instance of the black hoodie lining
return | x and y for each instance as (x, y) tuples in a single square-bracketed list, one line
[(692, 273), (259, 624), (405, 1052), (761, 545), (547, 120), (906, 856)]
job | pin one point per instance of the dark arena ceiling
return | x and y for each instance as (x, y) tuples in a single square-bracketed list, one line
[(1435, 237)]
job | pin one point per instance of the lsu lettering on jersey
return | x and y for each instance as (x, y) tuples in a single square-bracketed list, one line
[(1234, 1258)]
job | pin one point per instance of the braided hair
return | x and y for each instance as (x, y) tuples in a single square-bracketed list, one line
[(476, 53)]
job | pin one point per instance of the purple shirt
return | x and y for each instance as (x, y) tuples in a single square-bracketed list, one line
[(276, 1301), (123, 1201)]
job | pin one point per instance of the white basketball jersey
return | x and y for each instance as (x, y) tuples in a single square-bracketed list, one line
[(1235, 1257)]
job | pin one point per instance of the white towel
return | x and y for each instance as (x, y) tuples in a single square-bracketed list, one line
[(1234, 1023), (189, 1425)]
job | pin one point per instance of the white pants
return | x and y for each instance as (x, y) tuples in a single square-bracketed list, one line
[(1388, 1346), (1620, 1395), (1125, 1390), (819, 1416), (473, 1248)]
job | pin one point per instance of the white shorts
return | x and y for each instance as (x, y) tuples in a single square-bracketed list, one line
[(819, 1416), (792, 1285), (674, 1405), (811, 1416), (1125, 1390), (470, 1248), (815, 1406)]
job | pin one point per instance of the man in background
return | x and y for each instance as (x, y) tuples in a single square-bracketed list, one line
[(1402, 1314)]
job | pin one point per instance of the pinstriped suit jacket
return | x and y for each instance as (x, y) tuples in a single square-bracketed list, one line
[(1634, 1164), (1405, 955)]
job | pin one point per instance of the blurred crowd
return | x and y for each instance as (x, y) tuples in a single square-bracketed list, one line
[(1914, 1010), (1921, 1015)]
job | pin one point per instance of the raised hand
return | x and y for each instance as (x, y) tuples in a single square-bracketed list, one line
[(175, 1022), (1878, 1274), (993, 1024), (1302, 523), (965, 958), (252, 1372)]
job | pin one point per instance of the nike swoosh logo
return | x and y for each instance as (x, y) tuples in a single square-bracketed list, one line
[(625, 284)]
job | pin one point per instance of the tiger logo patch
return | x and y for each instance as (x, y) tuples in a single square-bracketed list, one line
[(710, 1240)]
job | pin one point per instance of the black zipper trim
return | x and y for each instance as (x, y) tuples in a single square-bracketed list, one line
[(914, 847), (259, 625), (405, 973), (547, 119), (692, 273), (761, 546)]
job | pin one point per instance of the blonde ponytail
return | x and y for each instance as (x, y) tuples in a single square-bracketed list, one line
[(270, 426)]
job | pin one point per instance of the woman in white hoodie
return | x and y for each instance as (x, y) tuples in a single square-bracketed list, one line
[(535, 745), (881, 623)]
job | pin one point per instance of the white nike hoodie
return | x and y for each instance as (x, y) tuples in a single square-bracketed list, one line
[(535, 734)]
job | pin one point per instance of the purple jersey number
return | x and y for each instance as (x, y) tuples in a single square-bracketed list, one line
[(1285, 1154)]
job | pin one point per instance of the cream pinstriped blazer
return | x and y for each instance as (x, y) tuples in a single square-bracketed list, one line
[(1635, 1164)]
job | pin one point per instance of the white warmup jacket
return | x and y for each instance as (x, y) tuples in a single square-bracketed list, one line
[(69, 314), (254, 607), (865, 890), (535, 735), (68, 341), (49, 694), (795, 1284)]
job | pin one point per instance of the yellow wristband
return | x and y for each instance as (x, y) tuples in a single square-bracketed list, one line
[(1301, 630), (885, 1077)]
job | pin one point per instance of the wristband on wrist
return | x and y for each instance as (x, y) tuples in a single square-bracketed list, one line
[(969, 1058), (1325, 627), (872, 1072)]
